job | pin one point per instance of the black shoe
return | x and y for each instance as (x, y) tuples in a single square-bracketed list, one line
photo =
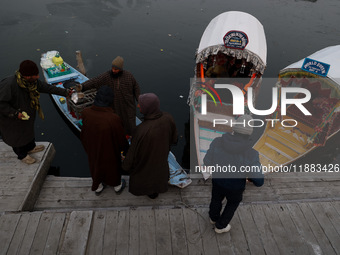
[(153, 196), (122, 188)]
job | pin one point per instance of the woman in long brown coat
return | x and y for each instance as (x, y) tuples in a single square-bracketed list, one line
[(147, 158), (103, 138)]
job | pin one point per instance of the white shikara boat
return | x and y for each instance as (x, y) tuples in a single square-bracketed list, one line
[(319, 73), (233, 48), (72, 111)]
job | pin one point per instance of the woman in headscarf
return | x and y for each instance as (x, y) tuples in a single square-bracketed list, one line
[(147, 158), (102, 136)]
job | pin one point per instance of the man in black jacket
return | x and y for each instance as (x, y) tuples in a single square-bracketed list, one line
[(231, 157), (19, 102)]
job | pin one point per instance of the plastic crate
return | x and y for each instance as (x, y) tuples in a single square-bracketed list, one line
[(76, 108), (55, 72)]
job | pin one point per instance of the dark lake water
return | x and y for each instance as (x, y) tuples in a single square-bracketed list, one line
[(157, 40)]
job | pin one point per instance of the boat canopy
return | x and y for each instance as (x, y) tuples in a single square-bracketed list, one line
[(329, 56), (243, 24)]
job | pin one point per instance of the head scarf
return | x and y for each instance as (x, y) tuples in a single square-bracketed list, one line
[(149, 104), (31, 87), (104, 97)]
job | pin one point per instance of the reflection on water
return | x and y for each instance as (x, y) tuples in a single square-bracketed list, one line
[(96, 14), (157, 39)]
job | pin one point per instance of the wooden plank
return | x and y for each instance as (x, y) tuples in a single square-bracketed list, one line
[(41, 234), (123, 232), (297, 242), (134, 233), (147, 232), (8, 224), (19, 234), (250, 230), (323, 216), (34, 189), (77, 233), (225, 244), (336, 205), (302, 226), (209, 241), (303, 190), (30, 233), (83, 192), (80, 63), (306, 184), (279, 233), (53, 239), (178, 238), (192, 230), (163, 236), (196, 201), (237, 236), (96, 237), (333, 214), (8, 204), (66, 182), (110, 233), (82, 197), (264, 230), (318, 232)]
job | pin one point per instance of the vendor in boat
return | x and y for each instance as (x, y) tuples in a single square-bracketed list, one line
[(19, 102), (147, 158), (125, 89)]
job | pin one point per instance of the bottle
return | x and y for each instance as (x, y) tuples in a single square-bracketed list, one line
[(57, 60)]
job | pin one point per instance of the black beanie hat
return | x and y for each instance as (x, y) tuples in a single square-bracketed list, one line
[(104, 97), (28, 68)]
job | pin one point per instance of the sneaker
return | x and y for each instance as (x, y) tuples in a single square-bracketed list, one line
[(28, 160), (122, 188), (100, 188), (37, 149), (212, 222), (223, 230)]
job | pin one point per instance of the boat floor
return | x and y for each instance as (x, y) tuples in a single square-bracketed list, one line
[(281, 145)]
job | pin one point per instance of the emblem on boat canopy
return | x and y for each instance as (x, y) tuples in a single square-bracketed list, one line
[(235, 40), (315, 67)]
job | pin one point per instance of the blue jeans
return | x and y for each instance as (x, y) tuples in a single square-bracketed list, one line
[(234, 198)]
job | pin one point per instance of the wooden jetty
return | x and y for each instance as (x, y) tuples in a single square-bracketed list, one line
[(291, 214), (21, 183)]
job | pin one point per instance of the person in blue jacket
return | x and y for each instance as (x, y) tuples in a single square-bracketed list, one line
[(233, 161)]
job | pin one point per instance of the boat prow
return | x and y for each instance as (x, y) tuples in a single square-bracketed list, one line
[(232, 50)]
